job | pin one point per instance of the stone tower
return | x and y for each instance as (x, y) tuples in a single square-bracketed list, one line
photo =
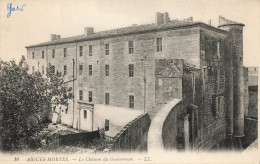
[(234, 81)]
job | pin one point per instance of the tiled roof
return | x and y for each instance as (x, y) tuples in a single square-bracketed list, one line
[(174, 24), (168, 67)]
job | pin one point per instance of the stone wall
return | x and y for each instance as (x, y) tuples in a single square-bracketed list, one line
[(246, 91), (1, 122), (253, 101), (194, 45), (168, 79), (176, 44), (216, 133), (210, 84), (163, 131), (76, 138), (170, 129), (251, 131), (211, 63), (133, 137)]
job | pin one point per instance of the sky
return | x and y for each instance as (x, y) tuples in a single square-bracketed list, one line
[(40, 18)]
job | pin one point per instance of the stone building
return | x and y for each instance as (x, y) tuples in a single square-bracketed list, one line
[(252, 91), (142, 66)]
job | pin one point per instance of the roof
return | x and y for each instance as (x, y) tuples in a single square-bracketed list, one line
[(172, 25), (173, 67), (226, 22), (168, 67)]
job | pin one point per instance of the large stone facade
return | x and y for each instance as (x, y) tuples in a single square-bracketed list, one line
[(205, 86), (184, 45)]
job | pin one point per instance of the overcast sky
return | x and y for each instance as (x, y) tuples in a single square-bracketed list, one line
[(41, 18)]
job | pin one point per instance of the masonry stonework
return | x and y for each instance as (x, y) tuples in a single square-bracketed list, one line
[(170, 129), (192, 61), (133, 137)]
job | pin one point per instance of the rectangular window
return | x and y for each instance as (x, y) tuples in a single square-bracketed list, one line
[(204, 74), (42, 54), (207, 43), (131, 47), (85, 114), (32, 69), (53, 53), (81, 51), (65, 52), (218, 50), (90, 50), (65, 70), (218, 76), (90, 70), (80, 95), (107, 70), (42, 69), (80, 69), (107, 98), (106, 125), (219, 105), (107, 49), (222, 103), (90, 96), (159, 44), (131, 70), (131, 101), (32, 55), (66, 110)]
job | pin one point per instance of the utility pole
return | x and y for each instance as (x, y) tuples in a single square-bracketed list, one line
[(73, 89), (144, 68)]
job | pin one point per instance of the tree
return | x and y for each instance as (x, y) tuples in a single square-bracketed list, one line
[(23, 96)]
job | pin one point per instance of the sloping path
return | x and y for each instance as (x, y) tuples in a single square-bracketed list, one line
[(155, 142)]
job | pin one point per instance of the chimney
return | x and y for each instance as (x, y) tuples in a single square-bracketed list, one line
[(57, 37), (166, 18), (159, 18), (190, 19), (54, 37), (89, 31)]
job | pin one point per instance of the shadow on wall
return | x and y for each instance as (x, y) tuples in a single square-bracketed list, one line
[(251, 131), (253, 101), (133, 137)]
